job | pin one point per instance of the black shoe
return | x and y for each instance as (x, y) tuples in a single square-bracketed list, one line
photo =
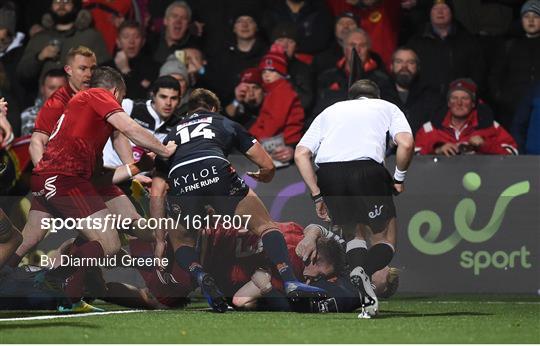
[(212, 293)]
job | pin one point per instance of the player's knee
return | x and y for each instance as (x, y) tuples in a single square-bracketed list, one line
[(244, 303), (265, 228)]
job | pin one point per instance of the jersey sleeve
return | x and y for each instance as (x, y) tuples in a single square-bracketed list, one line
[(48, 116), (243, 140), (103, 103), (312, 138), (398, 122)]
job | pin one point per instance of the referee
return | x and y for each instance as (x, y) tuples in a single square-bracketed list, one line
[(351, 186)]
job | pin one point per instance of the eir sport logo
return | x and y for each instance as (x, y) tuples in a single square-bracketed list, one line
[(463, 217)]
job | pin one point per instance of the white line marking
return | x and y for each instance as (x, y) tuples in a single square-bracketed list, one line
[(50, 317)]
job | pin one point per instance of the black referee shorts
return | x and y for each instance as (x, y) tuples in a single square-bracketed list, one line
[(357, 192)]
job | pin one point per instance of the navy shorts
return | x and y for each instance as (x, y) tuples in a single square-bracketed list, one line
[(202, 184)]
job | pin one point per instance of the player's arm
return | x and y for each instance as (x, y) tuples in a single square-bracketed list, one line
[(302, 158), (260, 157), (157, 210), (130, 170), (400, 130), (122, 147), (38, 142), (404, 154), (246, 297), (307, 247), (138, 135)]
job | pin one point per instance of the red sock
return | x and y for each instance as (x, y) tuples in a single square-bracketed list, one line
[(91, 249)]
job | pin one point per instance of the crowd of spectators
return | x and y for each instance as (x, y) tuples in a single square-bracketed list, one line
[(466, 73)]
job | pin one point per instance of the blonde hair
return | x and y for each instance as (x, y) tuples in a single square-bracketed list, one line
[(80, 50)]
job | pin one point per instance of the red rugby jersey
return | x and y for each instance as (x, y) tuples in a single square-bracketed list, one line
[(77, 142), (53, 109)]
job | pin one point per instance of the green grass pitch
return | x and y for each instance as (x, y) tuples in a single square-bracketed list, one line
[(403, 319)]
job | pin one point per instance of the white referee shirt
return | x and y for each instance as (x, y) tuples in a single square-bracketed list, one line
[(354, 130)]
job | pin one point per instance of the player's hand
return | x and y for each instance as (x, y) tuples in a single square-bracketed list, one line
[(50, 51), (322, 211), (307, 248), (143, 179), (146, 162), (399, 188), (121, 62), (262, 175), (476, 141), (283, 153), (447, 149), (170, 149), (6, 132)]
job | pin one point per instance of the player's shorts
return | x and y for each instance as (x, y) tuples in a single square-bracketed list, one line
[(210, 182), (357, 192), (106, 189), (65, 196)]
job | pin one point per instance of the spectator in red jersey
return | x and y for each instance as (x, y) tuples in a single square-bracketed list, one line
[(281, 112), (107, 16), (465, 128)]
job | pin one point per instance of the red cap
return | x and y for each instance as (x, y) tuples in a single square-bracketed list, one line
[(274, 61), (464, 84), (251, 75)]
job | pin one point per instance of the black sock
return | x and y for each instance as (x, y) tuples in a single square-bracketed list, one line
[(356, 253), (276, 249), (378, 257), (188, 259)]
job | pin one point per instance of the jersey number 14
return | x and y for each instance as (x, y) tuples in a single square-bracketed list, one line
[(200, 130)]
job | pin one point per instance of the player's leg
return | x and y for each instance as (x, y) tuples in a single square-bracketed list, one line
[(10, 238), (383, 247), (188, 258), (261, 223), (122, 206), (32, 233)]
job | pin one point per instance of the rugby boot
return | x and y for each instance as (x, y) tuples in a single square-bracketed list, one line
[(79, 307), (297, 289), (370, 304), (212, 293)]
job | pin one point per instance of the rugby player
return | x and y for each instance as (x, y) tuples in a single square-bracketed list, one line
[(10, 238), (352, 186), (199, 175), (62, 180), (80, 62)]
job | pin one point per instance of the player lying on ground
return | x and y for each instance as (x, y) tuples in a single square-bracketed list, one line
[(204, 141), (322, 264)]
